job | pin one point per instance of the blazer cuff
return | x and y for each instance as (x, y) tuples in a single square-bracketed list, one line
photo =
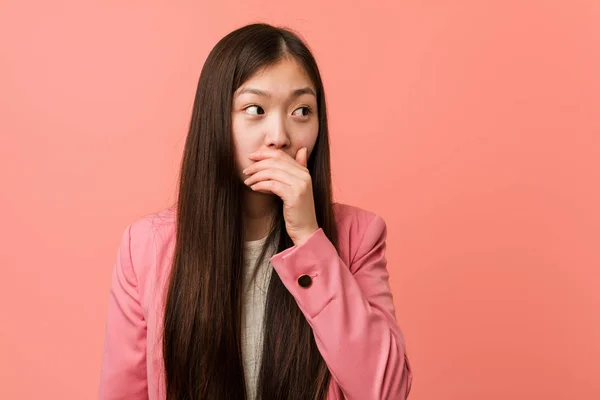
[(317, 257)]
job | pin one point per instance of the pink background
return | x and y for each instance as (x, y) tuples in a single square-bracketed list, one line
[(472, 127)]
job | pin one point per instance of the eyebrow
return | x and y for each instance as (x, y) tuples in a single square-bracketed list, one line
[(295, 93)]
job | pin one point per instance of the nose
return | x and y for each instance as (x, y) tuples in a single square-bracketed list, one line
[(277, 135)]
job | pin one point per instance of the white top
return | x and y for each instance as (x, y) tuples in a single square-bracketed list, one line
[(253, 308)]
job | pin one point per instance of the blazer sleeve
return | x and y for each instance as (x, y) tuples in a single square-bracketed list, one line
[(351, 312), (123, 373)]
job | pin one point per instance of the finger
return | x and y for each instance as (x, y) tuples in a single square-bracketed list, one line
[(275, 154), (301, 157), (294, 169), (274, 174), (268, 153), (281, 159), (275, 187)]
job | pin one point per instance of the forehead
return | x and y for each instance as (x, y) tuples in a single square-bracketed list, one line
[(279, 79)]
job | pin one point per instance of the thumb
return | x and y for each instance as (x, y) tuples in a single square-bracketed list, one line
[(301, 157)]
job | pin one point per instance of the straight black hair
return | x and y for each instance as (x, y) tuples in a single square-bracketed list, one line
[(201, 338)]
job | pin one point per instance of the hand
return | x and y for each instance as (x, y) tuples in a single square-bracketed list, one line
[(278, 173)]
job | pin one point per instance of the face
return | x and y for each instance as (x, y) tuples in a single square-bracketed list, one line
[(276, 108)]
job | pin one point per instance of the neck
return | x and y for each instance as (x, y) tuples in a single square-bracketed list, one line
[(258, 211)]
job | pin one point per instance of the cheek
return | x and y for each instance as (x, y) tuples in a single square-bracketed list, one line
[(307, 136), (245, 143), (241, 155)]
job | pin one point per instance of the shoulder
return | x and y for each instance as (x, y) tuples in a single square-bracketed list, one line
[(355, 219), (149, 241), (152, 229), (357, 214), (359, 229), (157, 229)]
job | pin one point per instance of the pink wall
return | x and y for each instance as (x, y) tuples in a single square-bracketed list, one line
[(472, 127)]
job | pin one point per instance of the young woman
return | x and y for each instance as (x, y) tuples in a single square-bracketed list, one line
[(255, 284)]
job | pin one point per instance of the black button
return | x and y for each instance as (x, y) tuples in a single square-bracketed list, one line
[(305, 281)]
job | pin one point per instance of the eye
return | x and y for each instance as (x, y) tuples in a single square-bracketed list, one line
[(256, 110), (303, 114)]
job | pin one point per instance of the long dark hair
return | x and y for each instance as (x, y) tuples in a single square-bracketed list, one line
[(201, 342)]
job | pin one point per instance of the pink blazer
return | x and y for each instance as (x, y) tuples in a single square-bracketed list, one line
[(349, 307)]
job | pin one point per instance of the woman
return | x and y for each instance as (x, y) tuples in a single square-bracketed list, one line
[(196, 310)]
